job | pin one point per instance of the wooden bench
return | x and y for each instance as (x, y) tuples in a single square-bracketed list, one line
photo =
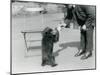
[(27, 32)]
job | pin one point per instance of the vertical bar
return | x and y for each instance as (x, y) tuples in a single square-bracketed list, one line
[(24, 33)]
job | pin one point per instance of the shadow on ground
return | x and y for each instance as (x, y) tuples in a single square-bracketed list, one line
[(63, 46), (66, 45)]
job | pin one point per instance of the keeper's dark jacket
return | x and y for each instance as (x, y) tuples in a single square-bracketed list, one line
[(83, 14)]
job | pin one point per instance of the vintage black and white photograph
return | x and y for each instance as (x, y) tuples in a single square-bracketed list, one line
[(52, 37)]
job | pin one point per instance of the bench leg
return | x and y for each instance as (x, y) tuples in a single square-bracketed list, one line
[(25, 40)]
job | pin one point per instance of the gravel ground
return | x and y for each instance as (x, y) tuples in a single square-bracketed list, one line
[(23, 62)]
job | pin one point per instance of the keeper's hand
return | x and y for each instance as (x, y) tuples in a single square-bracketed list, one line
[(84, 27)]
